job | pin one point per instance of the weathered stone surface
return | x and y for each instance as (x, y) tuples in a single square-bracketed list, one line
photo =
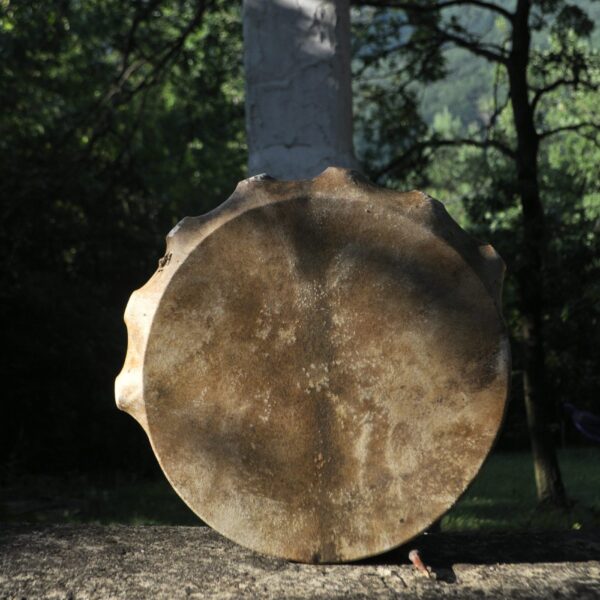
[(298, 86), (83, 562), (321, 366)]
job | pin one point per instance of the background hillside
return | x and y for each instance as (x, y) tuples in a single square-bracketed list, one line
[(470, 78)]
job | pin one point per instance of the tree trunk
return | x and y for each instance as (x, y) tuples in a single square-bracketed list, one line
[(298, 87), (550, 489)]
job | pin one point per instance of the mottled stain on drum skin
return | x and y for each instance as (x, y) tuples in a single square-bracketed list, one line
[(323, 366)]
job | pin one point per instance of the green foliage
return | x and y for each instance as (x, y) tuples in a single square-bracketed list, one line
[(570, 187), (389, 54), (479, 185), (119, 118)]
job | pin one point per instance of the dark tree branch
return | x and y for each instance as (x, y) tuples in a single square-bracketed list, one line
[(441, 5), (174, 50), (435, 144), (123, 78), (369, 60), (498, 108), (574, 127), (563, 81), (421, 59), (140, 15), (490, 52), (115, 95)]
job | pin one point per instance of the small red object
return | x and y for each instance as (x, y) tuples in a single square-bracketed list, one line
[(415, 559)]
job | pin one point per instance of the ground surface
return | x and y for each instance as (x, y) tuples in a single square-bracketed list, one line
[(88, 561)]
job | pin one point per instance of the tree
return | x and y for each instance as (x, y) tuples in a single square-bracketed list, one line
[(531, 77), (117, 120)]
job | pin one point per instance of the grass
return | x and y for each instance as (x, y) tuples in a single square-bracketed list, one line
[(502, 497), (78, 499)]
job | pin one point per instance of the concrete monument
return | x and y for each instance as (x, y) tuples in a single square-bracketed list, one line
[(298, 86)]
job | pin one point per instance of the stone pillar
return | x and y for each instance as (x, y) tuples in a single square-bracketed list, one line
[(298, 86)]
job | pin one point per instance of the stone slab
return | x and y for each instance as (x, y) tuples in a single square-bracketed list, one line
[(85, 561)]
